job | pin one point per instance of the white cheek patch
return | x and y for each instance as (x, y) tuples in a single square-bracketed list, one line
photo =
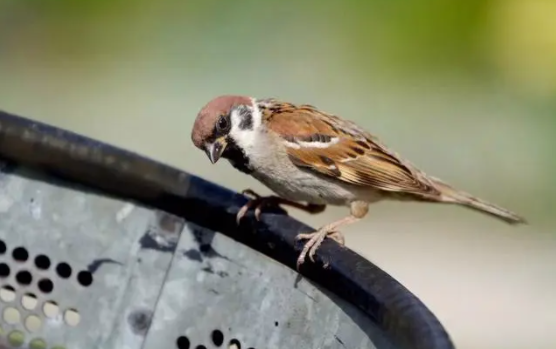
[(246, 138), (257, 115)]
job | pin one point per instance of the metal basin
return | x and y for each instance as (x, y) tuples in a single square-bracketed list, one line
[(103, 248)]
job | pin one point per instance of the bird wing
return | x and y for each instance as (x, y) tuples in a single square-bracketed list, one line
[(339, 149)]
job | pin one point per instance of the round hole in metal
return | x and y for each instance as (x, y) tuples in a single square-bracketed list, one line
[(63, 270), (29, 301), (33, 323), (2, 247), (234, 344), (85, 278), (42, 262), (72, 317), (4, 270), (24, 277), (11, 315), (20, 254), (37, 343), (200, 347), (217, 337), (50, 309), (7, 293), (45, 285), (182, 343), (16, 338)]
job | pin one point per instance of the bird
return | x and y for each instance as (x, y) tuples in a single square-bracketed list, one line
[(311, 159)]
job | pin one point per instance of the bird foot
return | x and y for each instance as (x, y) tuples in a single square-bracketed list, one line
[(259, 202), (315, 240), (256, 201)]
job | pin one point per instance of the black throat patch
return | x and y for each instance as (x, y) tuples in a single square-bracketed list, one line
[(236, 157)]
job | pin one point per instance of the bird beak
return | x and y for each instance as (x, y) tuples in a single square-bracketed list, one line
[(214, 150)]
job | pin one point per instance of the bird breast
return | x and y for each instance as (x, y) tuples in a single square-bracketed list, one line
[(273, 168)]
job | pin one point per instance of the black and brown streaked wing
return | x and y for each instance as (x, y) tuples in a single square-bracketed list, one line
[(327, 145)]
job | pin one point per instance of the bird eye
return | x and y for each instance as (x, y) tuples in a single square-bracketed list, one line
[(222, 124)]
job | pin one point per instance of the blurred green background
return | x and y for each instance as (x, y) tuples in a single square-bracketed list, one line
[(464, 89)]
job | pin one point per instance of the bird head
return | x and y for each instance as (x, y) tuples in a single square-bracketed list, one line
[(219, 120)]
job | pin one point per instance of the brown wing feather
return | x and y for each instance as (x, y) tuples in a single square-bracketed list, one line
[(351, 155)]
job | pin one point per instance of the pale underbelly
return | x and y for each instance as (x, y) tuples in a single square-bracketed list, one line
[(308, 188)]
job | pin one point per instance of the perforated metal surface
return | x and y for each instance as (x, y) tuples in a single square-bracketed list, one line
[(156, 281), (123, 264), (97, 237)]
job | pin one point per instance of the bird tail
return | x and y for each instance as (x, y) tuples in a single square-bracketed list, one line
[(452, 195)]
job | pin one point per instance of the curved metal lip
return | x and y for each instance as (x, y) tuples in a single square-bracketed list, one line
[(117, 172)]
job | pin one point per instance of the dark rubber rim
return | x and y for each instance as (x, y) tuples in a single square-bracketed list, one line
[(117, 172)]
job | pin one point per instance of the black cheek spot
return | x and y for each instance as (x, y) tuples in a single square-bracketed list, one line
[(246, 122)]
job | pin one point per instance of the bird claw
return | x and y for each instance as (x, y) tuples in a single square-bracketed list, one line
[(255, 200), (250, 194), (242, 211), (315, 240), (258, 211)]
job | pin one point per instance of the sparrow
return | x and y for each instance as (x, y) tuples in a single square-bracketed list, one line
[(310, 159)]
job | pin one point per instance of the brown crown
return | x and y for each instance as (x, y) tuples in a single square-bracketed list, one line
[(207, 117)]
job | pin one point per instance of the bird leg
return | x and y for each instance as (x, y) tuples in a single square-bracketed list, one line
[(359, 209), (259, 202)]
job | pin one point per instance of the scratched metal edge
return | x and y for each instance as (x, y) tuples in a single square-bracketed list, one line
[(117, 172)]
